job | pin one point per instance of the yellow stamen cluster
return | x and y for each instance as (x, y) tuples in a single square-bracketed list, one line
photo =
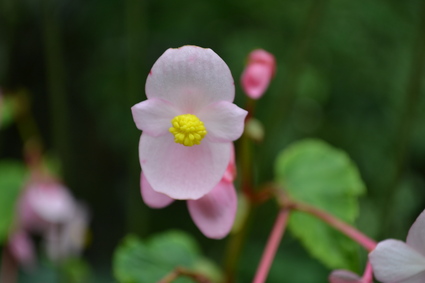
[(187, 129)]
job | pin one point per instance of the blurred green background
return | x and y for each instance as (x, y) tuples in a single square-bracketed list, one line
[(349, 72)]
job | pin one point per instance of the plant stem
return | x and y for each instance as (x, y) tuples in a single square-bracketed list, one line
[(8, 268), (59, 108), (339, 225), (180, 271), (368, 274), (272, 246), (234, 246)]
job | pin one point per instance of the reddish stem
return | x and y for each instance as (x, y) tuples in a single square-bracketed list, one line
[(343, 227), (180, 271), (8, 268), (368, 274), (272, 245)]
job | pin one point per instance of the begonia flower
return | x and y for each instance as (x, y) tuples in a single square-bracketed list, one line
[(188, 122), (44, 203), (68, 239), (214, 213), (394, 261), (258, 73)]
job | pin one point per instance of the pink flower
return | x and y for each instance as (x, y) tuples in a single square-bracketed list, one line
[(21, 248), (44, 203), (258, 73), (188, 122), (394, 261), (214, 213), (68, 240)]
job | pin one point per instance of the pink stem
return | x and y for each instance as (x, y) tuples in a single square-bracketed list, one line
[(368, 274), (343, 227), (8, 268), (272, 245)]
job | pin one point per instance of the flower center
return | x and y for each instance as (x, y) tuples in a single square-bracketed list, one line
[(187, 129)]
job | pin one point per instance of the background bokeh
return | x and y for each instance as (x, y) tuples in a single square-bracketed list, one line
[(349, 72)]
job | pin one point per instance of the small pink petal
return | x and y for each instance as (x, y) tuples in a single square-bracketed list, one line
[(179, 171), (154, 116), (263, 57), (258, 73), (256, 79), (215, 212), (152, 198), (416, 236), (223, 120), (394, 261), (22, 249), (190, 77), (231, 171), (344, 276)]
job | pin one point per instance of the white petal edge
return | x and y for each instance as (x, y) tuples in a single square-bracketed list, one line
[(190, 77), (223, 120), (214, 213), (344, 276), (152, 198), (179, 171), (154, 116), (395, 261), (416, 235)]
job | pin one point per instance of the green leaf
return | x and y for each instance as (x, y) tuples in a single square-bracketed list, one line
[(315, 173), (137, 261), (12, 177)]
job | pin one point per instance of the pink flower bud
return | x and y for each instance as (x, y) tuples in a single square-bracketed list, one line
[(258, 73)]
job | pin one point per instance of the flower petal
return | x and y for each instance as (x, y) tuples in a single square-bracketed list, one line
[(416, 235), (231, 171), (344, 276), (51, 202), (179, 171), (223, 120), (215, 212), (395, 261), (190, 77), (152, 198), (256, 79), (22, 248), (154, 116)]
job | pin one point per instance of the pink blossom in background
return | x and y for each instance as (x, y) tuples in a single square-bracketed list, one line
[(48, 209), (188, 122), (258, 73), (394, 261), (22, 249), (68, 240), (213, 213), (44, 203)]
